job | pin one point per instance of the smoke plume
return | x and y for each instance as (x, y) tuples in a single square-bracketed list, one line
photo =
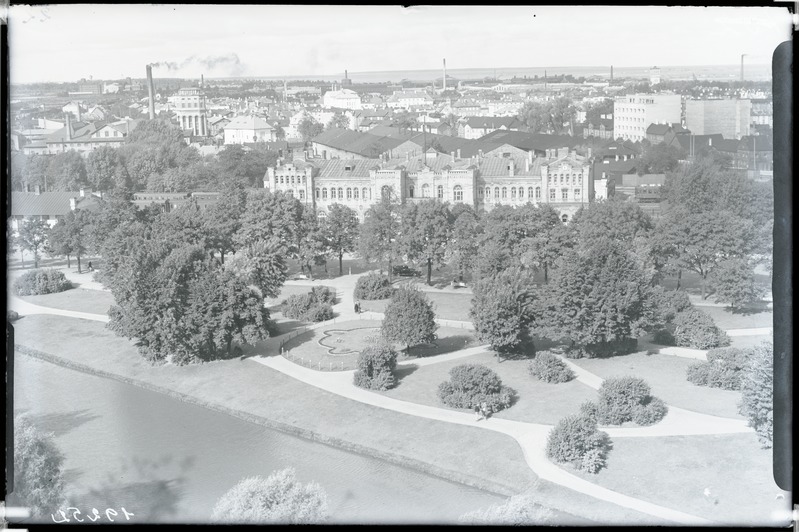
[(216, 65)]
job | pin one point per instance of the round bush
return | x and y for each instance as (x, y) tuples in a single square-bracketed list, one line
[(319, 312), (12, 315), (590, 410), (42, 281), (323, 294), (472, 384), (724, 369), (666, 304), (372, 286), (577, 441), (697, 373), (664, 337), (297, 305), (376, 364), (649, 413), (693, 328), (618, 396), (550, 368)]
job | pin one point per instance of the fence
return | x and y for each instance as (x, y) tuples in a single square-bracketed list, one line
[(318, 365)]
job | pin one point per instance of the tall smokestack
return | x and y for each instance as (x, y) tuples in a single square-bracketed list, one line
[(68, 125), (151, 91), (202, 81), (285, 90), (444, 86), (345, 75), (611, 73), (742, 66)]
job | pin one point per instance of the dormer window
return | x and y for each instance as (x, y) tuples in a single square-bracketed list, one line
[(348, 168)]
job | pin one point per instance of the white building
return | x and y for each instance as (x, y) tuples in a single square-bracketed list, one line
[(731, 118), (654, 75), (342, 99), (246, 129), (190, 111), (634, 113)]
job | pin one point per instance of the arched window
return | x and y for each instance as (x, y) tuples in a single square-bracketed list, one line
[(366, 193), (530, 192), (513, 192), (552, 193), (349, 194), (440, 192), (425, 190), (355, 193), (318, 192), (321, 215), (496, 193), (290, 192), (410, 191), (303, 180), (567, 179), (292, 180), (576, 192), (488, 193), (521, 192), (385, 192), (564, 194), (564, 218), (281, 180), (302, 194), (340, 193), (480, 193), (324, 193), (504, 192), (457, 193)]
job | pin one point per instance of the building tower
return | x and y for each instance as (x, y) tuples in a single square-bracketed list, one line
[(190, 111), (611, 73), (654, 75)]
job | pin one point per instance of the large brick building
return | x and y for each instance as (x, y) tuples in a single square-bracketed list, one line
[(561, 178)]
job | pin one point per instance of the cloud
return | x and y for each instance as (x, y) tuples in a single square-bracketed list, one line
[(228, 65)]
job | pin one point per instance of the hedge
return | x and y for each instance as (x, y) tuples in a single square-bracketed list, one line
[(471, 385), (42, 281), (376, 365), (372, 286), (724, 368), (314, 306), (549, 368)]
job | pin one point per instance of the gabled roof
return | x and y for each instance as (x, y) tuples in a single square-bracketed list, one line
[(531, 141), (436, 164), (658, 129), (47, 203), (364, 144), (498, 166), (335, 168), (699, 141), (758, 143), (492, 122), (248, 123)]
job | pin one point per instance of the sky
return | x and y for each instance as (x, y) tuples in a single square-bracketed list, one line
[(70, 42)]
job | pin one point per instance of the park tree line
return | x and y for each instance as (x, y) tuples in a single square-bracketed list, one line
[(153, 158)]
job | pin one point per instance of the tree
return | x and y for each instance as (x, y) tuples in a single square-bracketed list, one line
[(38, 474), (659, 159), (502, 311), (267, 215), (58, 242), (409, 318), (553, 116), (279, 498), (309, 128), (405, 120), (105, 170), (598, 297), (340, 230), (620, 221), (425, 231), (463, 245), (32, 236), (734, 283), (37, 169), (757, 393), (310, 246), (222, 220), (339, 121), (68, 171), (380, 234), (376, 364), (533, 115), (595, 110)]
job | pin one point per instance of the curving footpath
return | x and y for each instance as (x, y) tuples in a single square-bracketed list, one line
[(532, 437)]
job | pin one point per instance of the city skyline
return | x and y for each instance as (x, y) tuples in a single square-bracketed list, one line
[(409, 39)]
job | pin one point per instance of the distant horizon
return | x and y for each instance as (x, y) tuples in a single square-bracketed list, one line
[(437, 73)]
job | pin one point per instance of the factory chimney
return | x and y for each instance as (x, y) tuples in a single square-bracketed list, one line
[(742, 66), (202, 81), (68, 125), (151, 91), (611, 73), (285, 90), (444, 85)]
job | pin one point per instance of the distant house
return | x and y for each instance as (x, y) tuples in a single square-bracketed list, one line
[(216, 125), (615, 152), (248, 129), (475, 127), (336, 143), (657, 133), (49, 206), (85, 137), (409, 99), (601, 129), (342, 99)]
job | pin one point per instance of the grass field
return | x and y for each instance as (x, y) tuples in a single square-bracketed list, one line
[(537, 402), (77, 299), (675, 471), (726, 319), (449, 306), (665, 374), (256, 389)]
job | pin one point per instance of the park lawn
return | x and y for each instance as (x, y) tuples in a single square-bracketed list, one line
[(665, 374), (448, 306), (373, 305), (247, 386), (537, 401), (674, 471), (747, 342), (726, 319), (76, 299), (691, 282), (313, 349)]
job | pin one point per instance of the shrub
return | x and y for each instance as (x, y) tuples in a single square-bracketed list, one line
[(549, 368), (757, 393), (409, 318), (12, 315), (323, 294), (372, 286), (519, 510), (619, 397), (589, 409), (693, 328), (472, 384), (666, 304), (376, 364), (623, 346), (313, 306), (664, 337), (577, 441), (42, 281), (723, 369), (280, 498), (650, 412)]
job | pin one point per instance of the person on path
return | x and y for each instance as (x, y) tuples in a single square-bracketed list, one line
[(478, 412), (91, 268), (484, 410), (357, 307)]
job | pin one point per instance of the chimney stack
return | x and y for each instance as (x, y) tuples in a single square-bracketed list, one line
[(444, 85), (78, 111), (202, 81), (151, 91), (459, 153), (73, 204), (527, 165)]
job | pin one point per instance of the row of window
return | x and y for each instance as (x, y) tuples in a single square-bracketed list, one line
[(426, 191), (576, 179), (282, 181), (338, 193)]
